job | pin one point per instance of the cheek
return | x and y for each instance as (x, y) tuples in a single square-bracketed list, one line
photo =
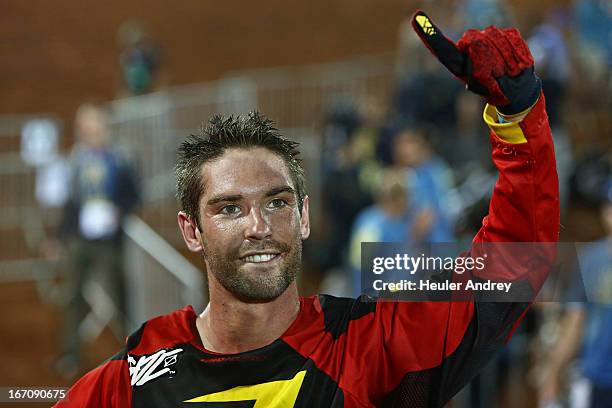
[(285, 222), (221, 226), (220, 232)]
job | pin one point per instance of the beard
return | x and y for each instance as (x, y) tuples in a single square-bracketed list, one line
[(255, 287)]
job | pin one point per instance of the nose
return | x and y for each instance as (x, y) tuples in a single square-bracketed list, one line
[(258, 227)]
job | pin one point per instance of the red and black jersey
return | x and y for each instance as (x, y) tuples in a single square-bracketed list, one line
[(342, 352)]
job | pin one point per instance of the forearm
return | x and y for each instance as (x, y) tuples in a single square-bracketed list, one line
[(569, 341), (525, 202)]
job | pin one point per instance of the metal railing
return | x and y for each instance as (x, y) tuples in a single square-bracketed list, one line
[(23, 224), (158, 278)]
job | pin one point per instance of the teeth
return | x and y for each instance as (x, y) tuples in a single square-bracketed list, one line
[(259, 258)]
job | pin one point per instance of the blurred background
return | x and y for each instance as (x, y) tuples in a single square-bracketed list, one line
[(96, 96)]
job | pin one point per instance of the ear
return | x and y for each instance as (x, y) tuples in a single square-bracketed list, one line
[(191, 232), (305, 220)]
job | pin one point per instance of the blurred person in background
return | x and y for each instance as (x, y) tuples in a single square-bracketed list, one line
[(103, 190), (426, 96), (351, 174), (482, 13), (591, 51), (139, 59), (586, 328), (430, 180), (347, 157), (388, 220), (593, 19)]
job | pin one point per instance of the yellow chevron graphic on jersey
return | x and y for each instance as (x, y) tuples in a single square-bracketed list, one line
[(426, 25), (273, 394)]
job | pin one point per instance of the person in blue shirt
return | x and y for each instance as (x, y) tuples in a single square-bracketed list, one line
[(103, 190), (430, 180), (388, 220), (587, 324)]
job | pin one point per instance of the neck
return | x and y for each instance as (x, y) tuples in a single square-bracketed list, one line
[(229, 325)]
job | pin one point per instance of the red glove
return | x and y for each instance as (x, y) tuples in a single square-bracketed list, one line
[(493, 63)]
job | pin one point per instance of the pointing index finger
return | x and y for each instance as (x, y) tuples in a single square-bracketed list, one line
[(444, 49)]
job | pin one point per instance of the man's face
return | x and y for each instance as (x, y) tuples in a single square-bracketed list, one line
[(407, 149), (251, 228), (91, 128)]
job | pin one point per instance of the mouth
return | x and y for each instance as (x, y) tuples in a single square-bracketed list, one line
[(260, 258)]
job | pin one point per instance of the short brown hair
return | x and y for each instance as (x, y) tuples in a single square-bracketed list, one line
[(227, 132)]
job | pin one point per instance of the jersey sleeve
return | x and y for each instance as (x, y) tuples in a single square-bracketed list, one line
[(108, 386), (420, 354)]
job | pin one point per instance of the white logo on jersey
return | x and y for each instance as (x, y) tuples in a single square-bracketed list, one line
[(146, 368)]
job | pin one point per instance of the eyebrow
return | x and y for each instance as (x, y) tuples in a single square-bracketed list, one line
[(237, 197), (221, 198), (280, 189)]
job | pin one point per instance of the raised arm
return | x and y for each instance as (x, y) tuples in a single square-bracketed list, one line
[(430, 350), (497, 64)]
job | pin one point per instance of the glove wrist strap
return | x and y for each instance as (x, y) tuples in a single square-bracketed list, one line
[(522, 91)]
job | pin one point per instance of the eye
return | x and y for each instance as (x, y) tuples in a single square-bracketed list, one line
[(277, 203), (230, 209)]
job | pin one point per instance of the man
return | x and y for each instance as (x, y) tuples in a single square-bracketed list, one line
[(430, 181), (389, 219), (103, 191), (587, 324), (258, 343)]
